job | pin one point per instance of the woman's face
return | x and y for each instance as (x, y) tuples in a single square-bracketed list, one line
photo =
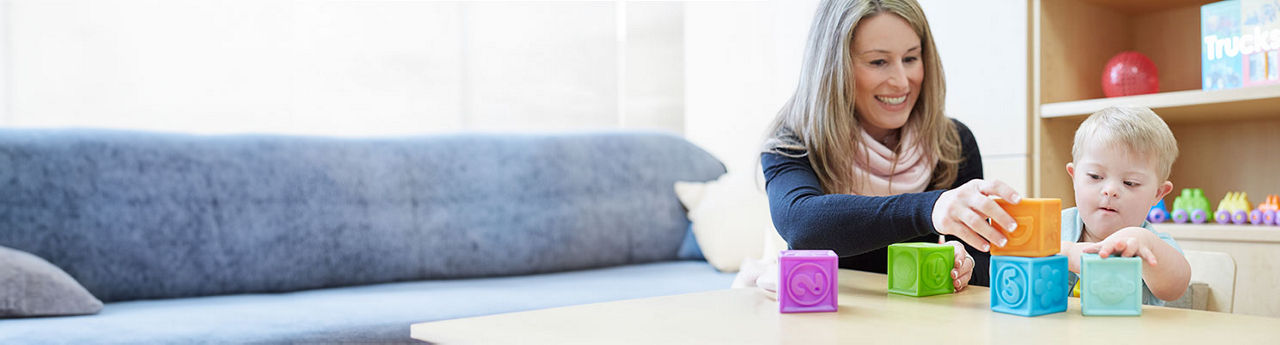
[(887, 72)]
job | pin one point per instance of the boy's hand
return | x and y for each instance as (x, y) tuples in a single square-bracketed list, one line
[(963, 270), (1128, 242), (1073, 251)]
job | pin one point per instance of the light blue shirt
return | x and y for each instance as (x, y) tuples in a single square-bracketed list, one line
[(1073, 229)]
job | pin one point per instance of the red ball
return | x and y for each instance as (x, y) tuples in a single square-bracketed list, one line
[(1130, 73)]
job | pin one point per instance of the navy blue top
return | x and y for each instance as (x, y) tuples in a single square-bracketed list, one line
[(860, 228)]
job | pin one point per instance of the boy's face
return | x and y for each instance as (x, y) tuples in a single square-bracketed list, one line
[(1114, 187)]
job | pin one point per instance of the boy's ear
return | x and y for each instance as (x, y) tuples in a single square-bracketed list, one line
[(1164, 189), (1071, 170)]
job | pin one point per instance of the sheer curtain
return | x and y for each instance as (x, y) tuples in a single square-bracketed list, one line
[(342, 67)]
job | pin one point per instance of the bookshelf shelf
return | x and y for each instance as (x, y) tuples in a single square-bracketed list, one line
[(1261, 102)]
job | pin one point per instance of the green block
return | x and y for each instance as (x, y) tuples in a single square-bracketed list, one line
[(921, 269)]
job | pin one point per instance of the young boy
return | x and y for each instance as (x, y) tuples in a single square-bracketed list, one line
[(1121, 161)]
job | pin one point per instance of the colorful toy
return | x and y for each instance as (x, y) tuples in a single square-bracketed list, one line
[(1039, 231), (1158, 213), (921, 269), (807, 281), (1233, 208), (1191, 205), (1266, 212), (1075, 290), (1130, 73), (1029, 286), (1111, 286)]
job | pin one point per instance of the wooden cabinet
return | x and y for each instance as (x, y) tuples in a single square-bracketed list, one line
[(1229, 139)]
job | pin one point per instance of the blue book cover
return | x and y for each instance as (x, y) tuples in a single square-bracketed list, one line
[(1219, 22), (1240, 43)]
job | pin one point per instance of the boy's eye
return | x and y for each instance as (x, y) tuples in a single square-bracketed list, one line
[(1095, 177), (1131, 183)]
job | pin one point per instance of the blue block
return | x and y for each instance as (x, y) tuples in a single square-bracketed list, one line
[(1111, 286), (1029, 286)]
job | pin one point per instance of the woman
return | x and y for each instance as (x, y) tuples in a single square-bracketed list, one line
[(862, 156)]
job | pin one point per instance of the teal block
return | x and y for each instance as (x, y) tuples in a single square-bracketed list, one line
[(921, 269), (1111, 286)]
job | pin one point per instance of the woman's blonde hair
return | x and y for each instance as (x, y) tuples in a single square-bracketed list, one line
[(819, 120)]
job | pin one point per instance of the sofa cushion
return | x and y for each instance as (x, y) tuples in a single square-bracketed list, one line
[(31, 286), (730, 220), (376, 314), (689, 249), (140, 215)]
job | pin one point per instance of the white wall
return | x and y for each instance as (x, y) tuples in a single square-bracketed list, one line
[(729, 78), (743, 60), (343, 67), (986, 68)]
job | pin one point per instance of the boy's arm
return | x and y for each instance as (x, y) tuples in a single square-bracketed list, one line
[(1072, 251), (1164, 269)]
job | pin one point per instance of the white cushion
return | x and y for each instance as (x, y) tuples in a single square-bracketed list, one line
[(731, 220)]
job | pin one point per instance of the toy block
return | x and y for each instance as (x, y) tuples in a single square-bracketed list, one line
[(807, 281), (1039, 231), (1029, 286), (921, 269), (1111, 286)]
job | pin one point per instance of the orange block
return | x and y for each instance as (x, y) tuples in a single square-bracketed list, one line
[(1039, 232)]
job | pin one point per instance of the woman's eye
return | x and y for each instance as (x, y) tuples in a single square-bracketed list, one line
[(910, 59), (879, 62)]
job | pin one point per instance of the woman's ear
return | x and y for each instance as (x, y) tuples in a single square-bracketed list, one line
[(1071, 170)]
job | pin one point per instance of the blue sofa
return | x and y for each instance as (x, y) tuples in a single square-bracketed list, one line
[(264, 238)]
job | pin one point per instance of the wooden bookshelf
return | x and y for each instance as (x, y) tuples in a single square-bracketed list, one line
[(1226, 138), (1179, 107), (1229, 140), (1222, 233)]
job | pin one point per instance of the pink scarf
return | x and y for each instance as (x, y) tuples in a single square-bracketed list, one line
[(878, 176)]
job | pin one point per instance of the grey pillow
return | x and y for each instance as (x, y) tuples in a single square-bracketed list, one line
[(31, 286)]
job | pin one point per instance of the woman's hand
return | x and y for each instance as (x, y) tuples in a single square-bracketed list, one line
[(963, 212), (963, 270)]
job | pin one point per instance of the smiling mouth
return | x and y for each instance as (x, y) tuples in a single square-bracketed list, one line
[(892, 100)]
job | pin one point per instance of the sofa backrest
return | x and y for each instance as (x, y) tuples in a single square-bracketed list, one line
[(142, 215)]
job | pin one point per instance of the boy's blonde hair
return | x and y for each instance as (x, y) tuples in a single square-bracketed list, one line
[(1138, 128)]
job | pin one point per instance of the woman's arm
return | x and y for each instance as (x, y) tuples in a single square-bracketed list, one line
[(807, 217), (971, 169)]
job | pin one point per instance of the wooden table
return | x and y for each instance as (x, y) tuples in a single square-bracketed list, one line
[(867, 315)]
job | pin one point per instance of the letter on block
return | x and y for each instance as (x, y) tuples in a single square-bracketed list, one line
[(1111, 286), (807, 281), (1039, 232), (1029, 286), (921, 269)]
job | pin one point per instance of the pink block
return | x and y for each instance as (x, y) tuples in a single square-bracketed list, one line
[(807, 281)]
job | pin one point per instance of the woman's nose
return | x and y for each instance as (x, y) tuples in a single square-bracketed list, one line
[(898, 78)]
